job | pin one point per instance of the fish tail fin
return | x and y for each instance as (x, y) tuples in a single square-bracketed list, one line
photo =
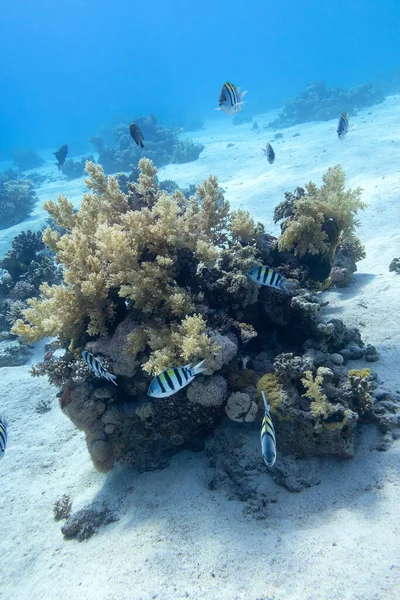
[(199, 368), (266, 405), (112, 378), (141, 145), (288, 286)]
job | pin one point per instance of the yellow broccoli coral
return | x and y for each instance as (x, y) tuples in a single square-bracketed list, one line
[(116, 247), (322, 216), (271, 386), (320, 407)]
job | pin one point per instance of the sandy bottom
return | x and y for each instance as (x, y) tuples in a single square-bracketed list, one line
[(175, 538)]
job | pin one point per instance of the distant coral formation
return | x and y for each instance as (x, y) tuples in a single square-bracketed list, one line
[(155, 280), (25, 158), (17, 199), (161, 145), (73, 169), (320, 103)]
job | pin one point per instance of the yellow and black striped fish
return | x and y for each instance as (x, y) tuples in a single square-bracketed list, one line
[(268, 442), (270, 277), (172, 380), (3, 436), (95, 365), (230, 99)]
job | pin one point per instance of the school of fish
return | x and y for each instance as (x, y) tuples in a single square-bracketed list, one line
[(174, 379)]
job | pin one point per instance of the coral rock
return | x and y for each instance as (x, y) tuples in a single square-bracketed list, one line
[(241, 408), (208, 391)]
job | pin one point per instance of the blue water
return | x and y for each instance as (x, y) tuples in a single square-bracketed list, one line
[(70, 68)]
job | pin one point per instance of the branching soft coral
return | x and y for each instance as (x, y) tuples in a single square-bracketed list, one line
[(321, 216), (180, 344), (141, 252), (319, 407)]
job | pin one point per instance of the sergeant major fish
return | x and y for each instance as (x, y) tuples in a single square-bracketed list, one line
[(271, 278), (230, 99), (173, 380), (3, 436), (96, 366), (269, 153), (268, 442), (61, 155), (343, 126), (137, 134)]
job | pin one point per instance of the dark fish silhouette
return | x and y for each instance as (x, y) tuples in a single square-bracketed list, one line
[(137, 134), (343, 126), (269, 153), (61, 155)]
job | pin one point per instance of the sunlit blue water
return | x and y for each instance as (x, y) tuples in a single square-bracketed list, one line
[(69, 68)]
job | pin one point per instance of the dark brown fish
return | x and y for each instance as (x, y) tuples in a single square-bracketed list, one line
[(137, 134), (61, 155), (48, 355)]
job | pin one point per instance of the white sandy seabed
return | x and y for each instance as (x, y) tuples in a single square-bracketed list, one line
[(175, 538)]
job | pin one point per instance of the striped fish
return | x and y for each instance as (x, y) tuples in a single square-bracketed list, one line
[(172, 380), (3, 436), (270, 277), (269, 153), (230, 99), (268, 442), (96, 366), (343, 126)]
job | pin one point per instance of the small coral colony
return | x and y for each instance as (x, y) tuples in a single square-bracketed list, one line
[(159, 288)]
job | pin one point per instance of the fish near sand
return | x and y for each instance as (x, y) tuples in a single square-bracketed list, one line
[(96, 366), (268, 441), (3, 436), (343, 126), (173, 380), (269, 153), (61, 155), (271, 278), (230, 99), (137, 134)]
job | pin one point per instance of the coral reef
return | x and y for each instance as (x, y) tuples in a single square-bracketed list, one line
[(73, 169), (161, 145), (86, 522), (17, 198), (25, 159), (62, 508), (28, 265), (155, 280), (317, 220), (320, 103)]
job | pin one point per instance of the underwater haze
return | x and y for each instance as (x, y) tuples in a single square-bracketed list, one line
[(69, 67), (199, 300)]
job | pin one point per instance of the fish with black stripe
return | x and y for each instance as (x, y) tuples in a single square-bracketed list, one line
[(269, 153), (95, 365), (3, 436), (343, 126), (173, 380), (268, 441), (231, 99), (271, 278)]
